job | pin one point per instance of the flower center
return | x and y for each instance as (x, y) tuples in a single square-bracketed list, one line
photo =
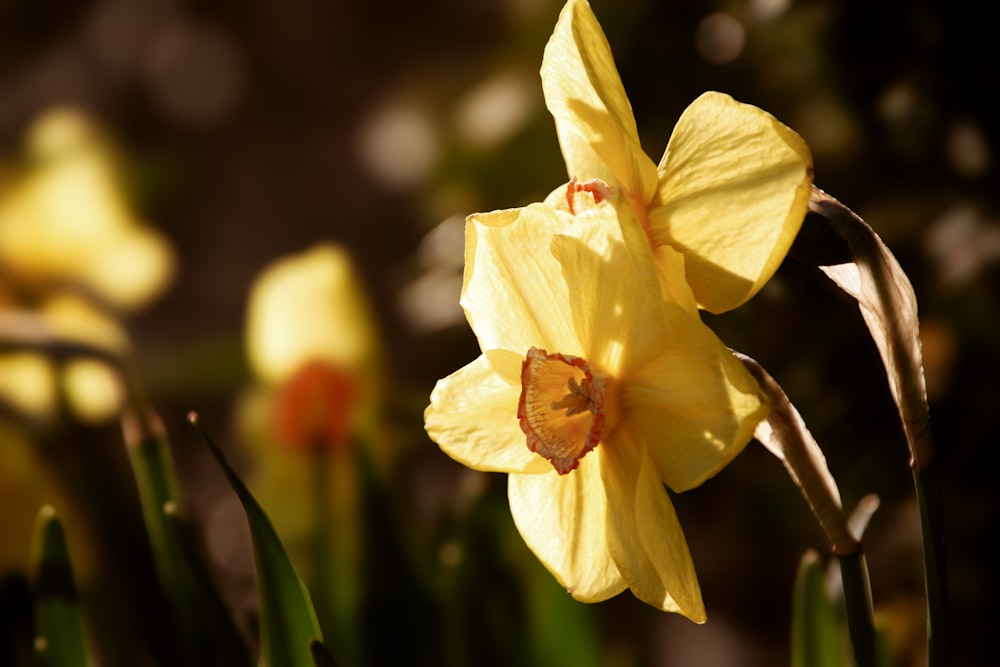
[(562, 407), (317, 407), (581, 195)]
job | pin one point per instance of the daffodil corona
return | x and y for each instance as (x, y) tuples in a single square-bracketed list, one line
[(598, 382)]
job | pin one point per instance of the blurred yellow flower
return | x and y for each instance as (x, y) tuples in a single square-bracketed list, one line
[(94, 391), (315, 408), (309, 307), (314, 348), (33, 381), (596, 385), (27, 383), (311, 340), (72, 254), (730, 191), (65, 220)]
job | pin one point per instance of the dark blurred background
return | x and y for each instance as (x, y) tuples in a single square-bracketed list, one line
[(256, 129)]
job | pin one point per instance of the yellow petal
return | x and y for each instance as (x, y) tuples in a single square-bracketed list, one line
[(644, 534), (734, 187), (93, 390), (27, 383), (72, 317), (305, 307), (562, 520), (696, 405), (614, 294), (594, 120), (673, 279), (514, 294), (473, 416)]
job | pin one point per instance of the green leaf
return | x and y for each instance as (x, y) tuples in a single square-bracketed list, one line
[(817, 639), (321, 656), (58, 625), (287, 618), (206, 632), (554, 616)]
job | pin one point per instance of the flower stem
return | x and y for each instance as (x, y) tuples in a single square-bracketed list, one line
[(927, 482), (784, 434), (858, 602), (889, 307)]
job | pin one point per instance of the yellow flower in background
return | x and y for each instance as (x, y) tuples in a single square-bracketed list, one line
[(72, 253), (307, 307), (314, 348), (27, 383), (65, 220), (595, 386), (730, 191), (316, 408), (311, 339), (33, 381)]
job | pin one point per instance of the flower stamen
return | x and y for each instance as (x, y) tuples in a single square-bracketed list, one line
[(577, 400), (587, 193)]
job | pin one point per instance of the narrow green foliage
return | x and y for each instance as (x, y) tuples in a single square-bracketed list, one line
[(555, 615), (321, 656), (858, 602), (206, 633), (288, 621), (58, 625), (816, 633)]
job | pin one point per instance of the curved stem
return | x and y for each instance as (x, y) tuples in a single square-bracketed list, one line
[(858, 602), (889, 307), (927, 483), (785, 435)]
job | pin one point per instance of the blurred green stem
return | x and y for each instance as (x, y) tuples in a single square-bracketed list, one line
[(333, 604), (927, 482), (858, 602)]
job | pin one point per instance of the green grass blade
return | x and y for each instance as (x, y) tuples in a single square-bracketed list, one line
[(817, 639), (287, 618), (205, 631), (58, 624), (321, 656)]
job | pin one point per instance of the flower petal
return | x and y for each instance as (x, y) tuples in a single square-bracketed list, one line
[(673, 280), (473, 416), (614, 295), (309, 306), (695, 405), (562, 520), (594, 120), (514, 294), (644, 534), (734, 187)]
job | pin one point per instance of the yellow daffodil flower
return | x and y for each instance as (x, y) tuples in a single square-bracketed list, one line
[(596, 385), (65, 219), (314, 347), (92, 389), (730, 191), (306, 307)]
